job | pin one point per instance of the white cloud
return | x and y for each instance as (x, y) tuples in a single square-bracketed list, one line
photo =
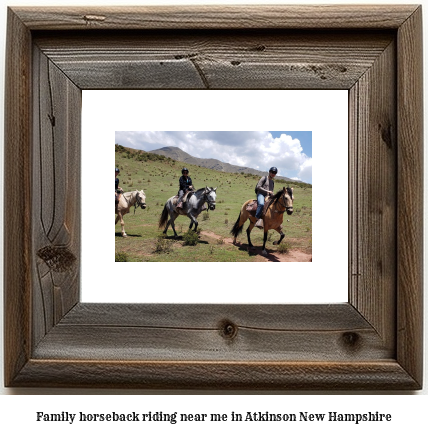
[(305, 172)]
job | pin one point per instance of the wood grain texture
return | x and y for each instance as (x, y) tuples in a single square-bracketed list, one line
[(56, 197), (216, 59), (372, 342), (199, 332), (410, 183), (373, 176), (217, 17), (386, 375), (17, 191)]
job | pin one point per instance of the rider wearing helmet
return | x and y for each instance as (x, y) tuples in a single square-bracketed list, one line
[(264, 189), (185, 182), (117, 190)]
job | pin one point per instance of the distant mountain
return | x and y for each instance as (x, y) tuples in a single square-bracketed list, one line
[(210, 163)]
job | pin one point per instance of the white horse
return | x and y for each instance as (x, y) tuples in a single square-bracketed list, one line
[(193, 206), (132, 198)]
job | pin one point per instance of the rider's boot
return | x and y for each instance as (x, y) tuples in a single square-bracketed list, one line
[(259, 224)]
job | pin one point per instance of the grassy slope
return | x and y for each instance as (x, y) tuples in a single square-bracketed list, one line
[(159, 180)]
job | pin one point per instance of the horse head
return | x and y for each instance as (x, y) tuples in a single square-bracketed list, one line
[(288, 198), (141, 199), (210, 197)]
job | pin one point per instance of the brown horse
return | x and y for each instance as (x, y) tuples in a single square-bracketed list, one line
[(281, 202)]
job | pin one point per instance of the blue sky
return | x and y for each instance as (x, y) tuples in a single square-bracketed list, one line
[(290, 151)]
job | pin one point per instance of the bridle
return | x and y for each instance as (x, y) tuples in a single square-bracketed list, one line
[(287, 208), (206, 195), (138, 202)]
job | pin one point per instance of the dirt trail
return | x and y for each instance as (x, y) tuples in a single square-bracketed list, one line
[(291, 256)]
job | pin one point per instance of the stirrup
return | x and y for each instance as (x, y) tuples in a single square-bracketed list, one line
[(259, 224)]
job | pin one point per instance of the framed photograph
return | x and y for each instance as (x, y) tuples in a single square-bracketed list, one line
[(187, 187), (372, 341)]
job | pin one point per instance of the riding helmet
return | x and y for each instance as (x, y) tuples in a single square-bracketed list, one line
[(117, 170), (273, 170), (184, 169)]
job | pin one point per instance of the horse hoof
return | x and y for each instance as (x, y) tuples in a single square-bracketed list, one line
[(124, 235), (264, 253), (275, 243)]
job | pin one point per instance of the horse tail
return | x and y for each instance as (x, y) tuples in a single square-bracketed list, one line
[(236, 230), (163, 218)]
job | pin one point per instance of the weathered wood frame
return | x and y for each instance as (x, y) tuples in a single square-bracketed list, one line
[(372, 342)]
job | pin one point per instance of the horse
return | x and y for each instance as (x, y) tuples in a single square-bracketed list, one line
[(281, 202), (193, 206), (132, 198)]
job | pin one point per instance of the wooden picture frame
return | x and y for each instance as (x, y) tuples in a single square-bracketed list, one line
[(372, 342)]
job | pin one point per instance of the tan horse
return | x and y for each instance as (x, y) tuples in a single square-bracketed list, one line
[(133, 198), (281, 202)]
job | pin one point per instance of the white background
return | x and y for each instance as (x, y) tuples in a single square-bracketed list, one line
[(325, 113), (18, 412)]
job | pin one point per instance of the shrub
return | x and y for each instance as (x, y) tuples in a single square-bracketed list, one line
[(191, 238), (284, 247), (163, 245), (121, 257)]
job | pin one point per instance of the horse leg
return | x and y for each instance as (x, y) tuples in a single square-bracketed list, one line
[(282, 235), (173, 225), (122, 223), (264, 252), (192, 222), (249, 229)]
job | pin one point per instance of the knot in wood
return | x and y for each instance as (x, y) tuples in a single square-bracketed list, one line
[(351, 340), (227, 329), (58, 259)]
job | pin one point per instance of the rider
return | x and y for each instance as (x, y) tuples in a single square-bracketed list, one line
[(118, 190), (264, 188), (185, 182)]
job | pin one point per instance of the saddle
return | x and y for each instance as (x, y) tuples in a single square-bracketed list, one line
[(252, 207), (186, 196)]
